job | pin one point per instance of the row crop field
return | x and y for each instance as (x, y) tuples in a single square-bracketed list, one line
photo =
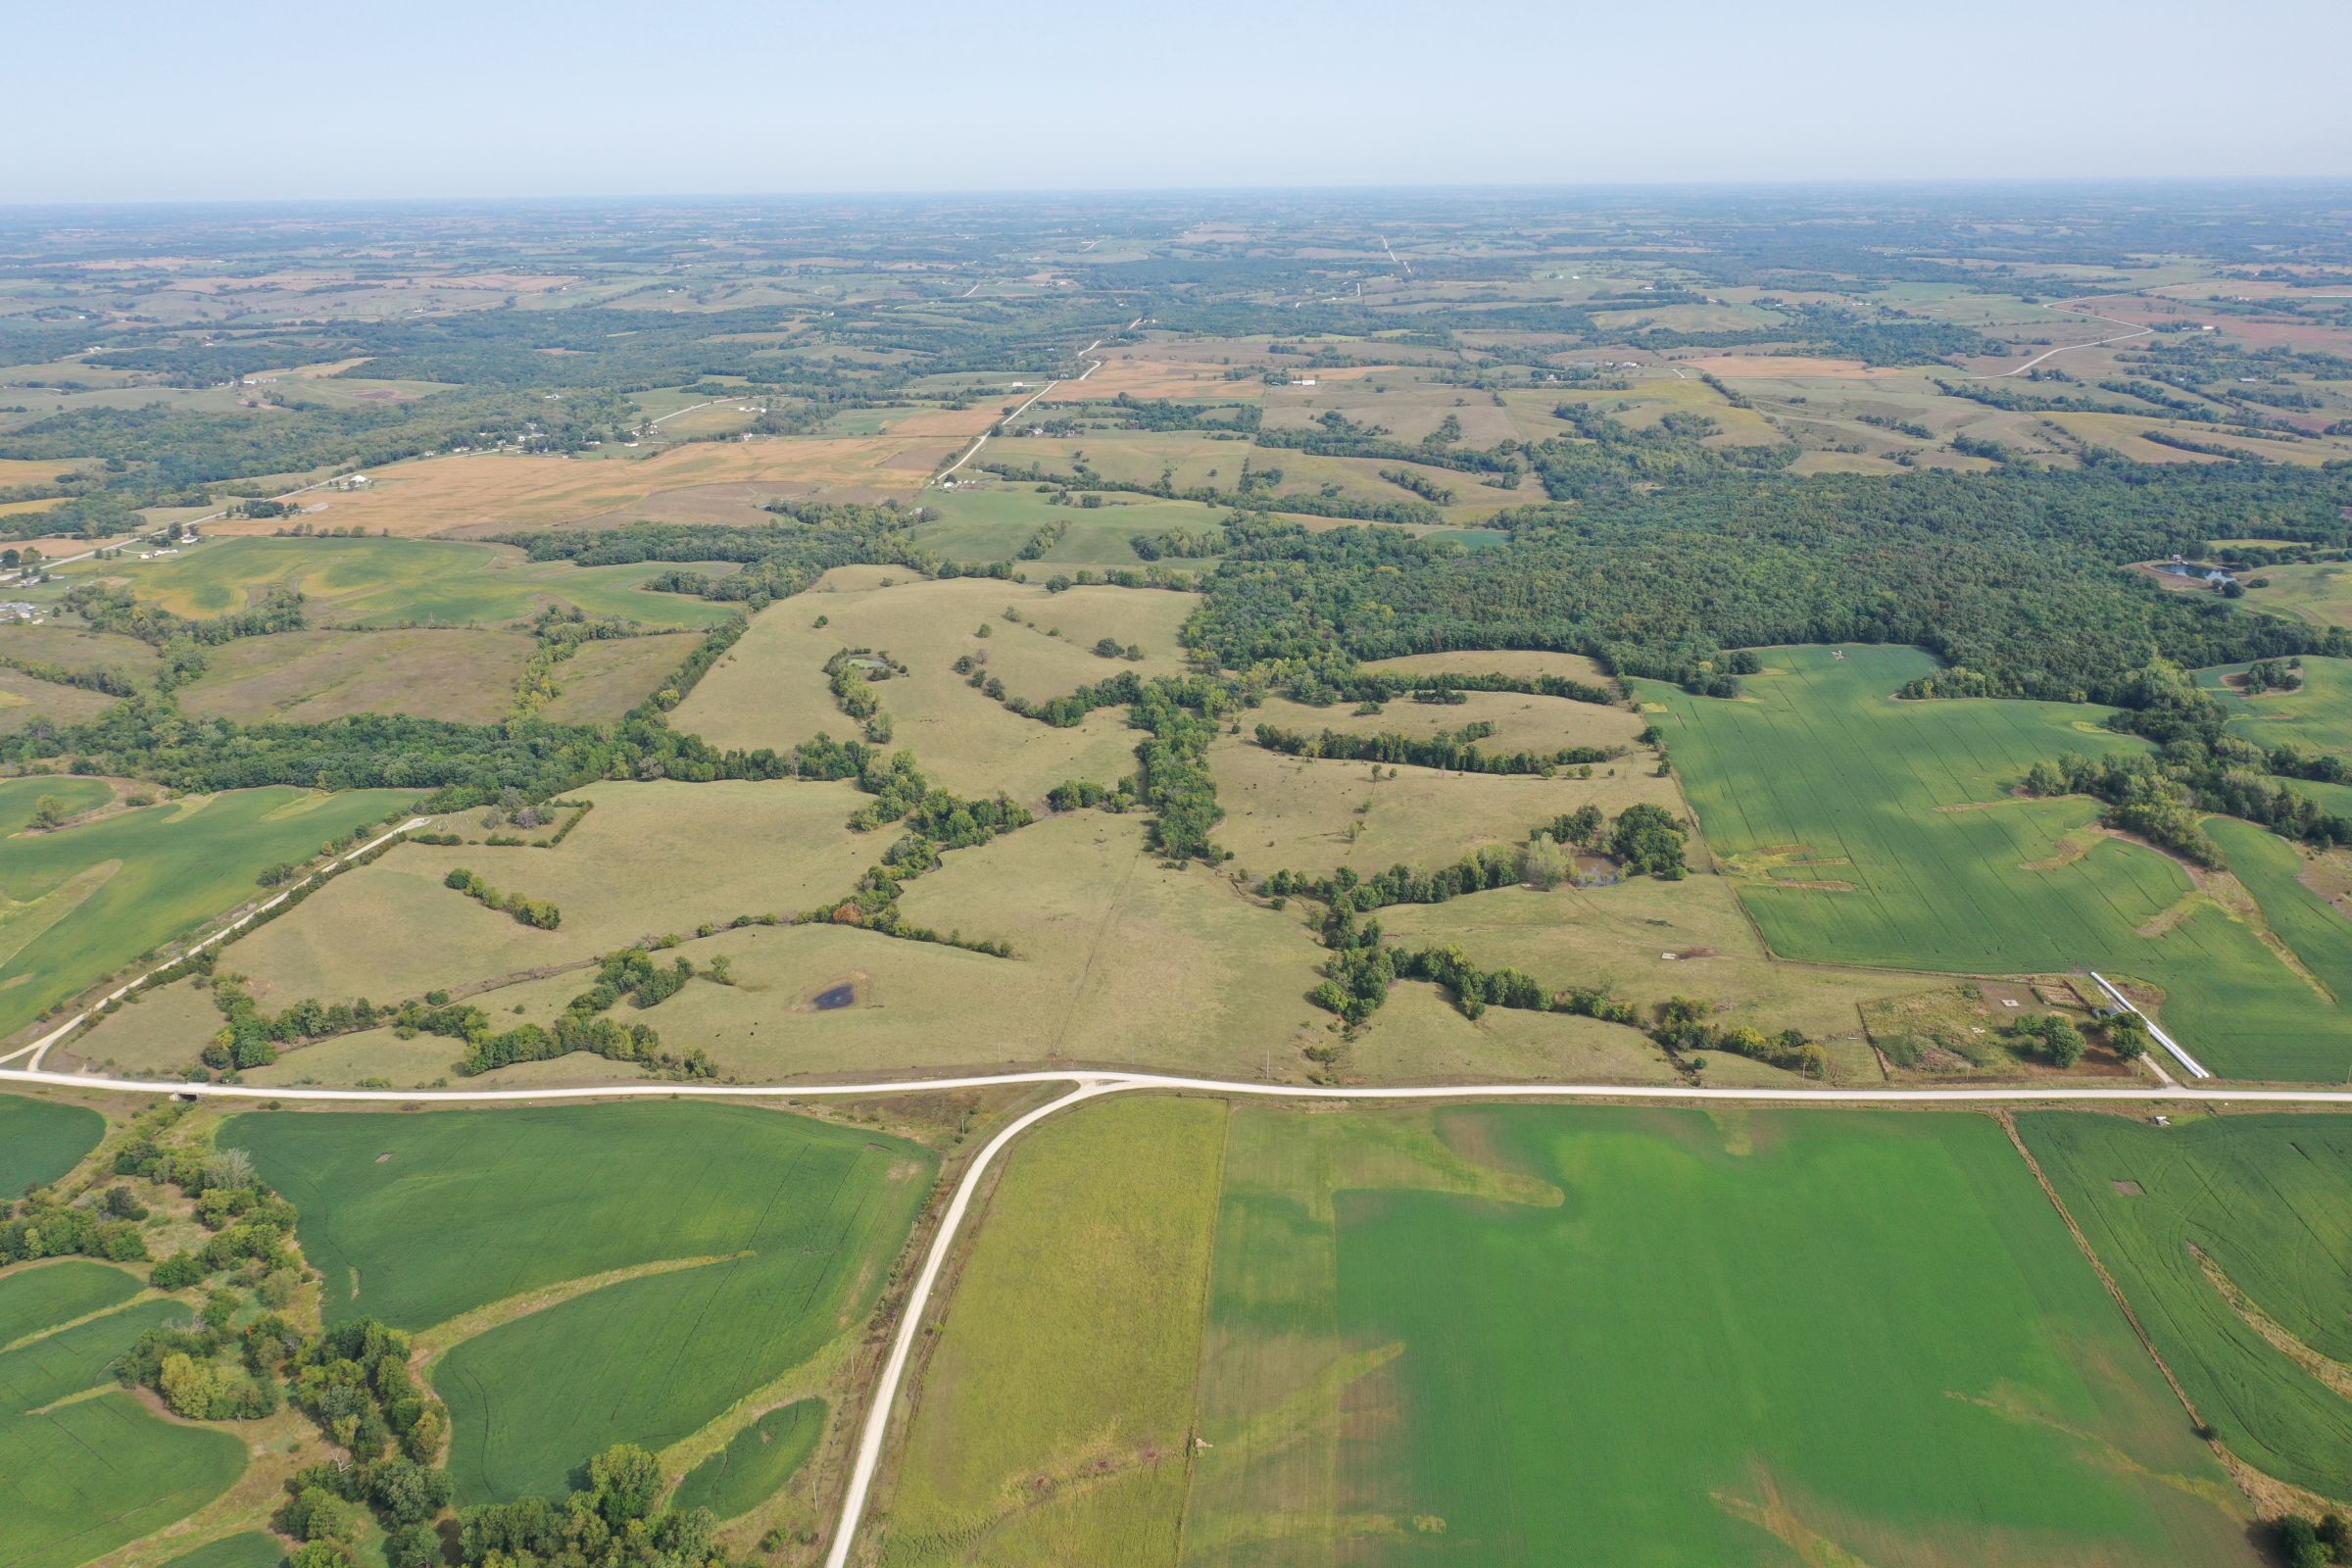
[(680, 1257), (83, 1467), (40, 1140), (81, 901), (1861, 829), (2186, 1218), (1543, 1333), (2315, 716)]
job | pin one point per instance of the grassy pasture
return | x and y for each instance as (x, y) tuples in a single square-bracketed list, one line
[(23, 700), (2268, 1201), (308, 677), (81, 902), (771, 689), (2315, 717), (757, 1462), (159, 1032), (1739, 1334), (360, 583), (1496, 662), (651, 858), (992, 523), (604, 679), (78, 650), (1862, 831), (1318, 813), (1521, 722), (83, 1467), (1054, 1413), (40, 1140), (779, 1231)]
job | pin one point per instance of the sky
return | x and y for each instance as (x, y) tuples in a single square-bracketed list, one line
[(243, 100)]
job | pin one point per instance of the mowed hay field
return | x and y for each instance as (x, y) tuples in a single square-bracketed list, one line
[(83, 900), (1522, 722), (1054, 1415), (1315, 815), (2321, 592), (770, 688), (378, 582), (747, 1243), (2229, 1234), (1864, 830), (84, 1468), (436, 495), (308, 677), (78, 650), (2315, 717), (650, 859), (40, 1140)]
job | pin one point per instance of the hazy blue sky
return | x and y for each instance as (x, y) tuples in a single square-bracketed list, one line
[(202, 99)]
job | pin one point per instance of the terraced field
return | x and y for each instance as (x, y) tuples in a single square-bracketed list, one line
[(2230, 1236), (83, 1467), (81, 902), (1869, 831), (690, 1255)]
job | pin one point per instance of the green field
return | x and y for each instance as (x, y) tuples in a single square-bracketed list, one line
[(84, 1471), (1673, 1337), (40, 1141), (83, 902), (756, 1462), (2267, 1199), (251, 1549), (1056, 1407), (2315, 717), (379, 582), (777, 1231), (1862, 831), (994, 524)]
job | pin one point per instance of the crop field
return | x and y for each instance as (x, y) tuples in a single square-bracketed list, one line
[(83, 1467), (1021, 1451), (308, 677), (757, 1462), (361, 582), (23, 700), (81, 901), (695, 1254), (770, 688), (1862, 831), (40, 1140), (1316, 814), (1422, 1321), (2315, 717), (650, 859), (2227, 1234)]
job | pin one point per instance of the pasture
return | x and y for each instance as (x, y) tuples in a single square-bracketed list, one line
[(2321, 593), (309, 677), (78, 650), (1055, 1409), (2315, 717), (40, 1140), (1529, 1334), (1862, 831), (1316, 814), (604, 679), (649, 860), (680, 1258), (770, 688), (83, 1467), (23, 700), (81, 902), (383, 582), (2228, 1235), (992, 523)]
